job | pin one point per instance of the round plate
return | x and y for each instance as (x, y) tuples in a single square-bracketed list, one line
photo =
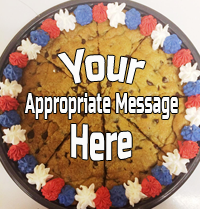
[(11, 166)]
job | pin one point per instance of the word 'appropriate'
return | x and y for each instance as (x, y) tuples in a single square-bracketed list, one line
[(70, 105), (75, 67), (96, 149)]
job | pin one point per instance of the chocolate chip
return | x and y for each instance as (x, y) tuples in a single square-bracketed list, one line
[(88, 82), (169, 59), (95, 163), (31, 134), (156, 120), (57, 50), (66, 138), (149, 83), (57, 156), (45, 135), (118, 128), (116, 120), (99, 88), (82, 114), (38, 84), (46, 54), (138, 147), (131, 173), (131, 91), (109, 84), (158, 88), (75, 89), (128, 119), (37, 151), (69, 164), (58, 69), (66, 153), (178, 95), (156, 146), (143, 115), (83, 41), (54, 56), (165, 80)]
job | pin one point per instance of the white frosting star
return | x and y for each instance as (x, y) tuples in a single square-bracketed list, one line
[(133, 191), (30, 49), (85, 197), (65, 21), (159, 35), (11, 89), (175, 163), (14, 135), (39, 177), (115, 14), (193, 115), (188, 73)]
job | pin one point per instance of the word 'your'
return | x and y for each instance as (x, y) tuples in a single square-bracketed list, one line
[(75, 67)]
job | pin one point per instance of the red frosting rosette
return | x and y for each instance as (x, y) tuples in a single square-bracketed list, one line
[(182, 57), (52, 189), (16, 152), (151, 187), (193, 101), (148, 24), (51, 28), (188, 149), (18, 59), (102, 200), (99, 13), (8, 103)]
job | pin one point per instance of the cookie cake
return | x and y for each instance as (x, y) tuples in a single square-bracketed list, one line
[(161, 149)]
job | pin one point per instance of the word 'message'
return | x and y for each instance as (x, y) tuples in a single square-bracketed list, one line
[(147, 105)]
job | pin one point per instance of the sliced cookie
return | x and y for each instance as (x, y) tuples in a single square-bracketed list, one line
[(77, 171), (144, 154), (81, 37)]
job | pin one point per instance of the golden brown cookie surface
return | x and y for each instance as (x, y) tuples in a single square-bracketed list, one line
[(49, 140)]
